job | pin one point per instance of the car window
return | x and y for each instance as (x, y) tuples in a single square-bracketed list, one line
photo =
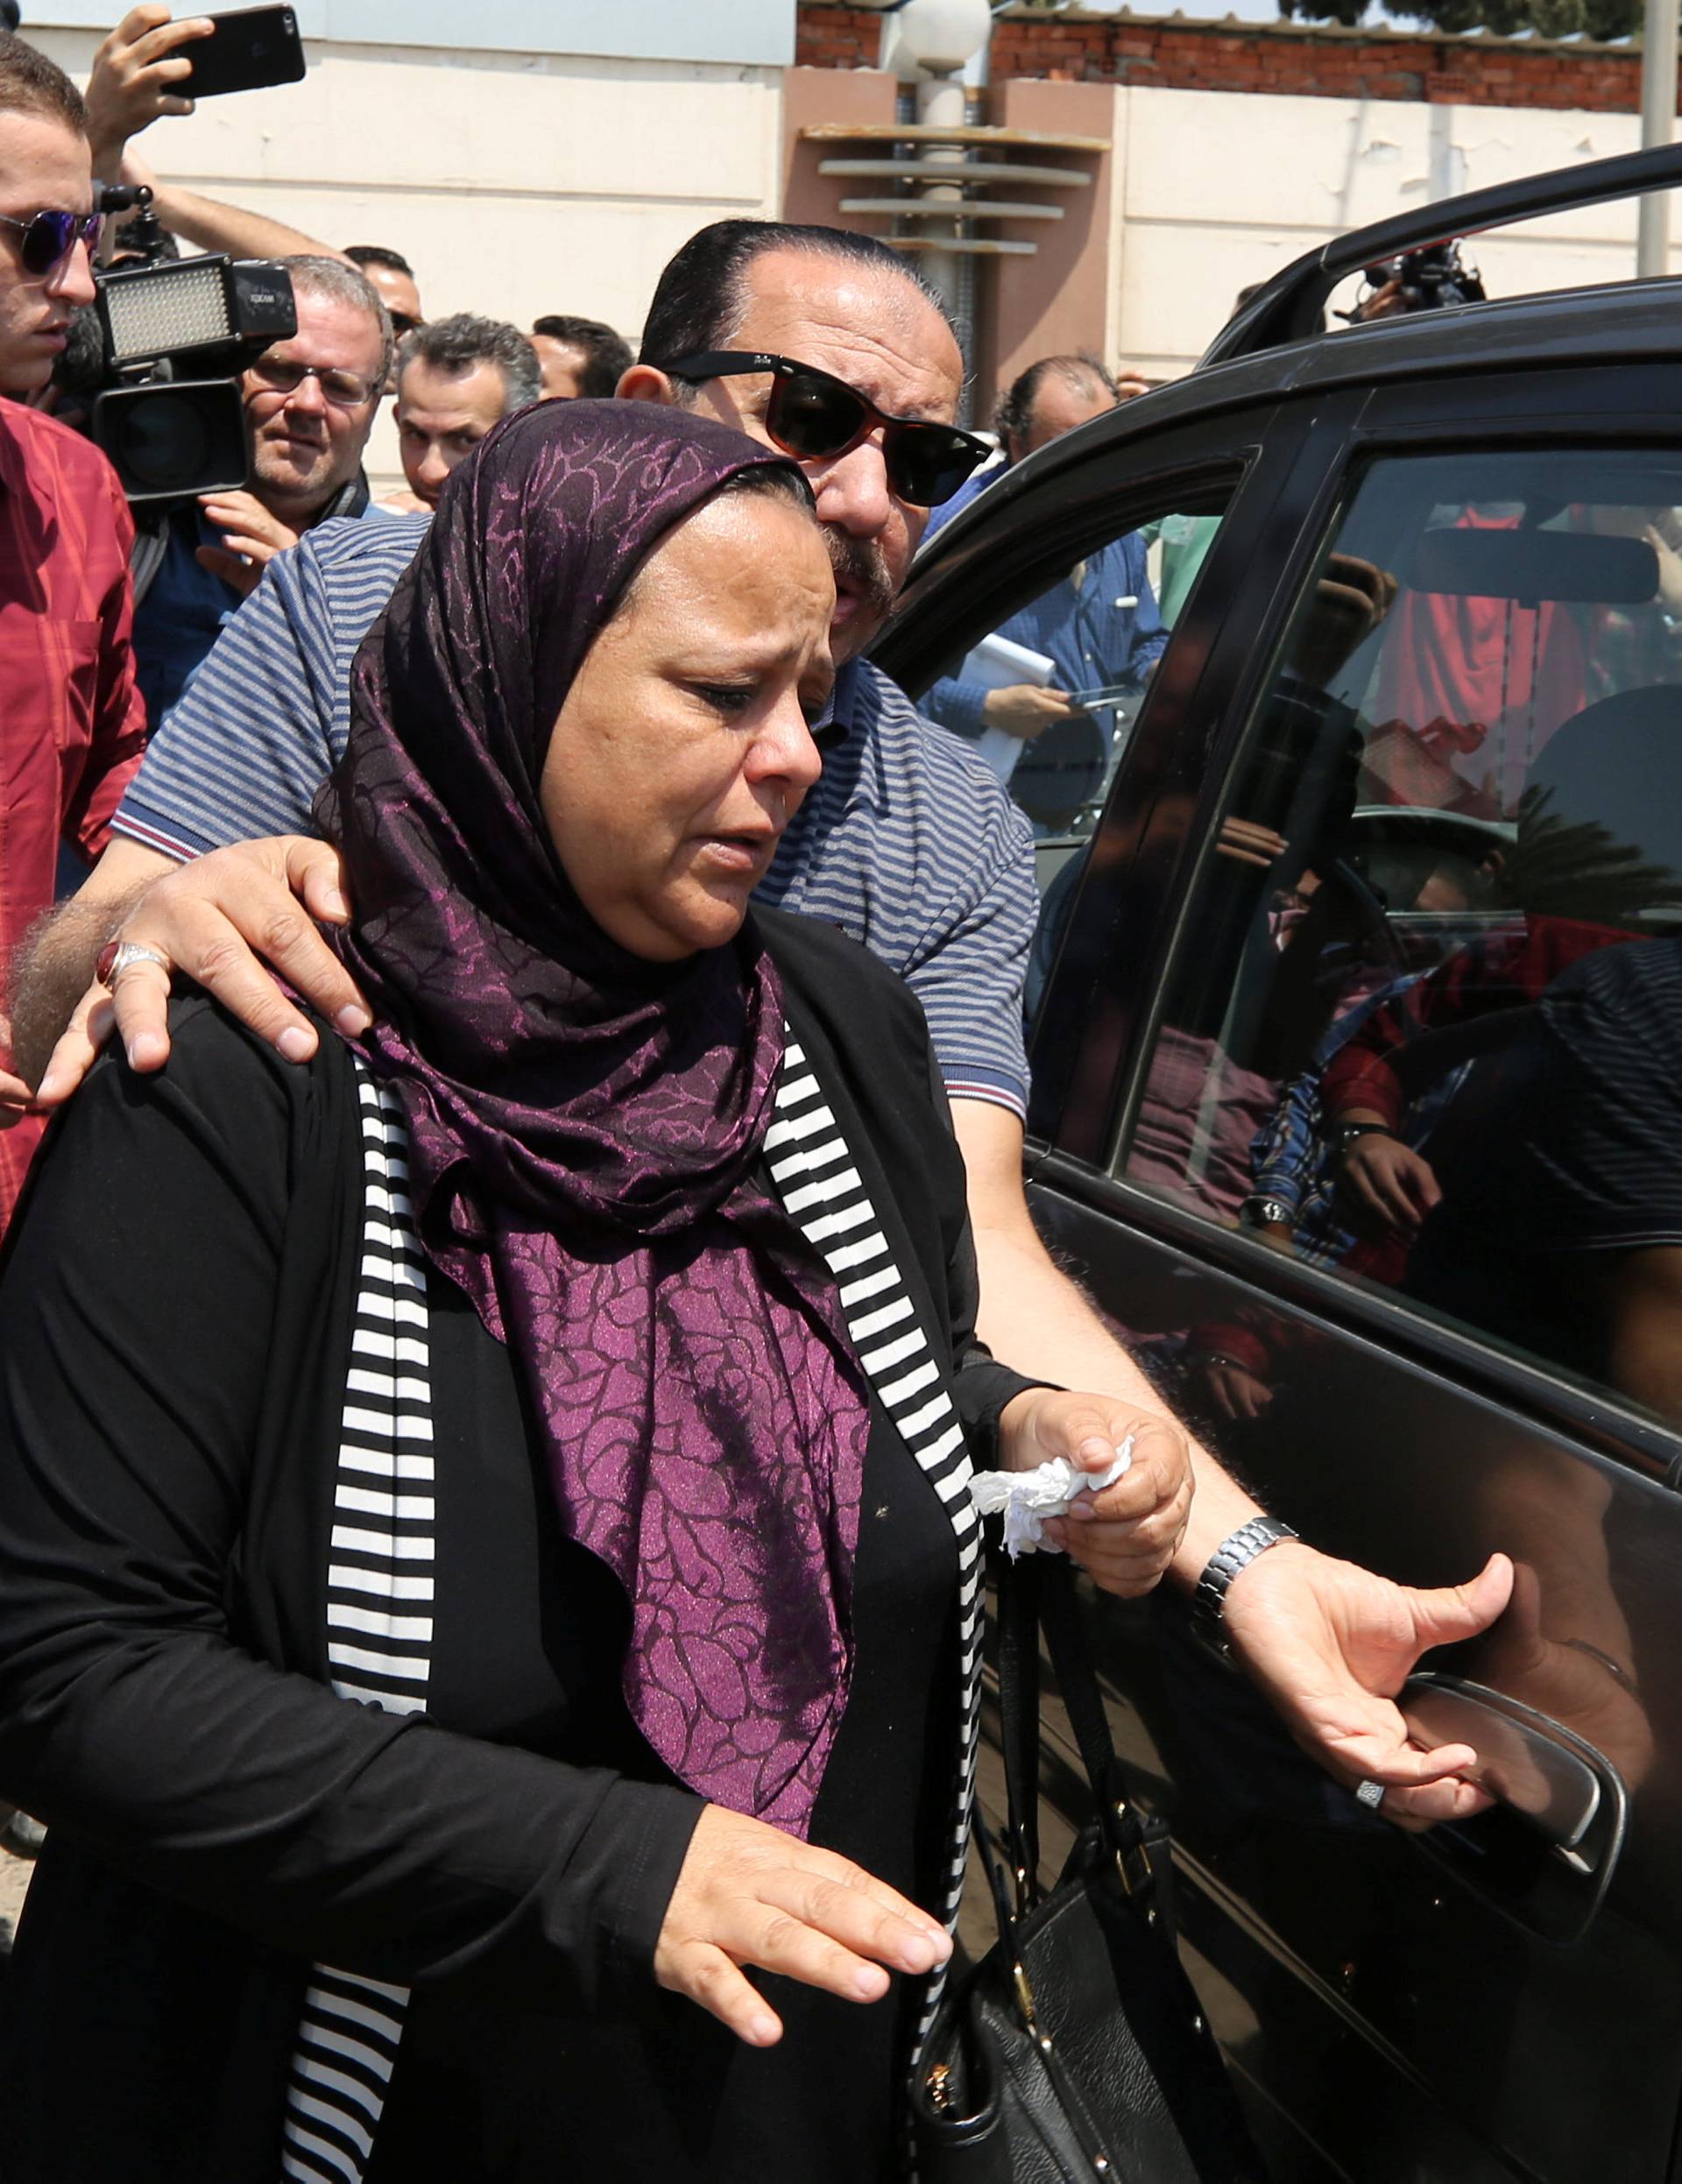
[(1423, 1027), (1048, 695)]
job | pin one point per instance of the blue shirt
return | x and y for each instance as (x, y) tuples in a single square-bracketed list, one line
[(1101, 632), (978, 481), (182, 614), (906, 841)]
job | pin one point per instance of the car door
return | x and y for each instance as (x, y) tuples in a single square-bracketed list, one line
[(1390, 848)]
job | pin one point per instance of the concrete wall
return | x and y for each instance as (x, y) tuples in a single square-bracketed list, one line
[(1216, 189), (515, 184)]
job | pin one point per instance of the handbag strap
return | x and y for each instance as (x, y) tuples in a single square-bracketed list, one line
[(1034, 1593)]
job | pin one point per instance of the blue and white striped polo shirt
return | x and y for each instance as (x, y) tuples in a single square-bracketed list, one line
[(908, 843)]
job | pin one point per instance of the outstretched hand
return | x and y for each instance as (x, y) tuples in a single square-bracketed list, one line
[(749, 1894), (1125, 1537), (1332, 1644), (212, 920)]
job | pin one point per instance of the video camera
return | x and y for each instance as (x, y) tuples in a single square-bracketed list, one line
[(1427, 279), (175, 336)]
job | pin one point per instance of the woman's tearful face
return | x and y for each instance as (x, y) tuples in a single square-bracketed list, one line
[(684, 746)]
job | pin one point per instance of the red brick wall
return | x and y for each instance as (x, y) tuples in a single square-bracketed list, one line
[(1313, 62)]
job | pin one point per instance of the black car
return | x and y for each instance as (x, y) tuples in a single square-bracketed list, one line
[(1357, 1042)]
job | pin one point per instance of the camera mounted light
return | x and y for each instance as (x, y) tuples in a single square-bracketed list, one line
[(148, 312), (177, 334)]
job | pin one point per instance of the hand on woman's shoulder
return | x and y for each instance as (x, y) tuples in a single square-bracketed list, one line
[(220, 1069)]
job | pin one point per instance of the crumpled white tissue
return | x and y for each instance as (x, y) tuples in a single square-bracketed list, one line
[(1029, 1497)]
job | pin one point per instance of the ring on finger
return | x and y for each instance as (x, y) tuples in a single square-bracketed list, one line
[(1369, 1793), (118, 956)]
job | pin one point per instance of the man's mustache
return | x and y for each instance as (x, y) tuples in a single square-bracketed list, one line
[(862, 563)]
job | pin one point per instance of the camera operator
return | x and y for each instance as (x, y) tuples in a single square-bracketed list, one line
[(72, 725), (310, 401), (1427, 279)]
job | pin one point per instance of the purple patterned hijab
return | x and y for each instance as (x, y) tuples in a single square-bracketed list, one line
[(586, 1128)]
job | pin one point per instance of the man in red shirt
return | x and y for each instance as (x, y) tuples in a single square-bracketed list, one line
[(72, 723)]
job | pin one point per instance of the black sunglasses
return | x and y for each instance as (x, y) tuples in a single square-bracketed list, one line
[(816, 417), (49, 237)]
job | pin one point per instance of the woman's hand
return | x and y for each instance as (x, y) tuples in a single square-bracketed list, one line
[(1126, 1536), (749, 1894)]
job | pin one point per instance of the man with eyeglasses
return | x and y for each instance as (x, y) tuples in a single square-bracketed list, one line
[(825, 345), (72, 725), (311, 401)]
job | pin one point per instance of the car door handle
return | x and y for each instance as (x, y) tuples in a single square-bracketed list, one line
[(1564, 1807), (1521, 1758)]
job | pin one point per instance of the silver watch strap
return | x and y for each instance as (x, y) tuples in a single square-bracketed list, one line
[(1234, 1553)]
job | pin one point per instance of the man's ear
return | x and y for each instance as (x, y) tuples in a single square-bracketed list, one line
[(645, 383)]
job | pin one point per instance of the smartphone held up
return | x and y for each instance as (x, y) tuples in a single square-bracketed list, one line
[(247, 51)]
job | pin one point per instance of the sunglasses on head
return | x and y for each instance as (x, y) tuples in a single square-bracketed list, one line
[(816, 417), (49, 237)]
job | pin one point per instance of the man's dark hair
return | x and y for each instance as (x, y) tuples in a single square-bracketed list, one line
[(377, 254), (127, 238), (701, 298), (606, 354), (30, 83), (457, 344), (1014, 414)]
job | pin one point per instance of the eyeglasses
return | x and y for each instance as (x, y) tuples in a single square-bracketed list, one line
[(402, 324), (343, 389), (49, 237), (816, 417)]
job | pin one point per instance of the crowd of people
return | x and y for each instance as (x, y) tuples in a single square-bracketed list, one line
[(493, 1357)]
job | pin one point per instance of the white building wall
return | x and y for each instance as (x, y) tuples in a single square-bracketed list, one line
[(1216, 189)]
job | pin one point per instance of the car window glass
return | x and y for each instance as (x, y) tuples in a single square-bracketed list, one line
[(1424, 1025), (1068, 673), (1048, 696)]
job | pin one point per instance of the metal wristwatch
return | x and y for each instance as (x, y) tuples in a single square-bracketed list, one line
[(1265, 1211), (1234, 1553)]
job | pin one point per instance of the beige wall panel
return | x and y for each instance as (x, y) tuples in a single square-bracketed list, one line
[(1179, 284), (1217, 189), (482, 122), (515, 258), (1241, 160)]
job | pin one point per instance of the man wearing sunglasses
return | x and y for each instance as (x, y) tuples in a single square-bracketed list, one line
[(72, 725), (310, 401), (823, 343)]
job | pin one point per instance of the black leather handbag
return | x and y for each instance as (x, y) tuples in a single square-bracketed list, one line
[(1076, 2048)]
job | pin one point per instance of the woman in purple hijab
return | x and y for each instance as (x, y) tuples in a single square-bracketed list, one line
[(489, 1553)]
